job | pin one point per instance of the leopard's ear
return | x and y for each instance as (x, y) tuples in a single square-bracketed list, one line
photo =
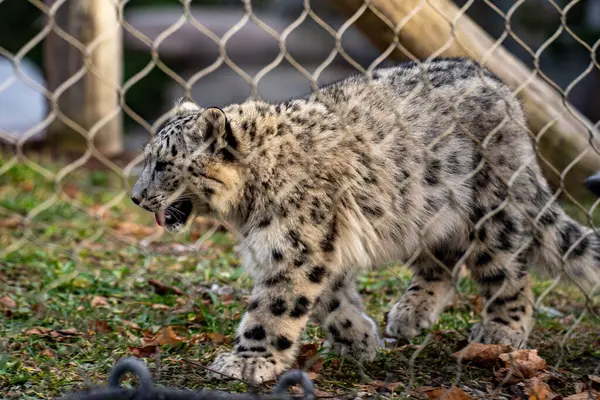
[(183, 107), (218, 132)]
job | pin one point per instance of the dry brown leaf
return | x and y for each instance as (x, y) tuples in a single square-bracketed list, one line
[(37, 331), (130, 324), (8, 302), (482, 353), (161, 288), (584, 396), (99, 301), (580, 387), (217, 338), (99, 326), (70, 190), (536, 389), (381, 386), (68, 332), (10, 223), (166, 335), (161, 307), (144, 351), (48, 353), (306, 353), (523, 363), (595, 380), (227, 298), (453, 393)]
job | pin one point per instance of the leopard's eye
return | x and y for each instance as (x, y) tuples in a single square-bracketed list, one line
[(160, 166)]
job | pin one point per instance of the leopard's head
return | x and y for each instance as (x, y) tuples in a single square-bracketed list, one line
[(191, 167)]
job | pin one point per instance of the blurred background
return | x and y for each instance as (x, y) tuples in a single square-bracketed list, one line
[(185, 53)]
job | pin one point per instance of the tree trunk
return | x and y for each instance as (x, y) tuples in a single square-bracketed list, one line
[(84, 74), (432, 28)]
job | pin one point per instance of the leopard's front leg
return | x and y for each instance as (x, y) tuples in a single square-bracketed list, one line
[(268, 335)]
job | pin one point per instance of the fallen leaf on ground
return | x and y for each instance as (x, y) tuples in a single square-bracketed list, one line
[(8, 302), (68, 332), (580, 387), (161, 288), (381, 387), (98, 326), (161, 307), (10, 223), (584, 396), (99, 301), (48, 353), (130, 324), (523, 363), (166, 335), (57, 335), (227, 298), (143, 351), (307, 352), (482, 353), (453, 393), (217, 338), (70, 190), (595, 380), (536, 389), (37, 331)]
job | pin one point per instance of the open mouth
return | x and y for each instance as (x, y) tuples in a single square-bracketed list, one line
[(176, 214)]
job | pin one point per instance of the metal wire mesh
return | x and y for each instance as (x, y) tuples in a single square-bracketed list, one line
[(72, 238)]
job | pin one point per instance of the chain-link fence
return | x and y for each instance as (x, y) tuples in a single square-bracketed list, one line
[(427, 168)]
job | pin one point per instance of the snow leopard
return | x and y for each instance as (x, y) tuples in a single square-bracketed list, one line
[(430, 164)]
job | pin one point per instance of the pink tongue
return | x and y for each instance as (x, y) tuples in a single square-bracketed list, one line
[(160, 218)]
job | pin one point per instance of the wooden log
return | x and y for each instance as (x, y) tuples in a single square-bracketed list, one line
[(90, 104), (432, 28)]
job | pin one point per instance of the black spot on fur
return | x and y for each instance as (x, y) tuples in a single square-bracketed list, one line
[(294, 237), (173, 151), (276, 279), (278, 306), (277, 255), (414, 288), (500, 321), (333, 304), (499, 301), (253, 305), (568, 235), (264, 223), (483, 258), (496, 277), (256, 333), (282, 343), (317, 274), (549, 217), (432, 171), (347, 324), (338, 284), (301, 307), (334, 331), (328, 242)]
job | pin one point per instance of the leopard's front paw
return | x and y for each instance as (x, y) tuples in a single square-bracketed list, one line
[(254, 369), (405, 321), (358, 338), (495, 333)]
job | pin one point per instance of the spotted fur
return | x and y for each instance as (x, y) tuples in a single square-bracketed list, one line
[(428, 163)]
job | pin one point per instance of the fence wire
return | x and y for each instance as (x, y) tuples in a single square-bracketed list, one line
[(88, 277)]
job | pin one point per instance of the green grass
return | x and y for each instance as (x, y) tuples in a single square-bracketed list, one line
[(68, 269)]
